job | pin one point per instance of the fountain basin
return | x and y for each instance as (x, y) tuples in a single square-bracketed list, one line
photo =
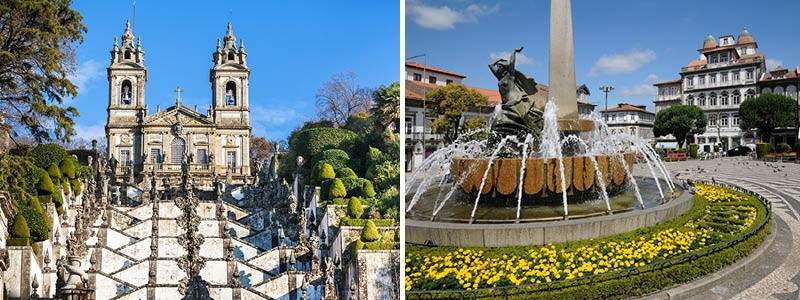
[(542, 176), (419, 231)]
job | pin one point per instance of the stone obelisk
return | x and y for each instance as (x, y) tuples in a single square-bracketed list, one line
[(562, 60)]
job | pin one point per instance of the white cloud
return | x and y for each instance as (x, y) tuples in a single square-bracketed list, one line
[(624, 63), (773, 63), (89, 132), (86, 72), (521, 58), (444, 17), (274, 115), (639, 91), (652, 78)]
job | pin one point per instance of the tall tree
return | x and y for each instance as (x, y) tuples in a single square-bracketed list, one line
[(36, 58), (450, 102), (387, 105), (260, 148), (680, 121), (341, 97), (767, 112)]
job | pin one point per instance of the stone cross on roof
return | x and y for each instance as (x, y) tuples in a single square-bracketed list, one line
[(178, 100)]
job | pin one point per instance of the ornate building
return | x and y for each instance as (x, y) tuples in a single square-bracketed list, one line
[(216, 142)]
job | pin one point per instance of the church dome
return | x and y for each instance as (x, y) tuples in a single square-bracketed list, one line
[(710, 42), (745, 37)]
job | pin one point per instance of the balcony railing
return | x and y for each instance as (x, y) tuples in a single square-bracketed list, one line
[(417, 136), (668, 97)]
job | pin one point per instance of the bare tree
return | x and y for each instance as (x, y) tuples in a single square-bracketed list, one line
[(341, 97)]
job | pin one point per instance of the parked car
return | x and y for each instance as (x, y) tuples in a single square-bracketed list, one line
[(739, 151)]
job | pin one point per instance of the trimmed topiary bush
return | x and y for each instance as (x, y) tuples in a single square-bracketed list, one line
[(346, 173), (75, 184), (45, 154), (360, 123), (337, 189), (311, 142), (367, 191), (762, 149), (20, 228), (37, 222), (67, 168), (716, 148), (45, 188), (36, 204), (337, 158), (353, 186), (370, 232), (374, 156), (354, 208), (54, 173), (693, 150), (326, 172)]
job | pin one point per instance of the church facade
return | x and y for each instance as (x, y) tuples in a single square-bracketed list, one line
[(215, 142)]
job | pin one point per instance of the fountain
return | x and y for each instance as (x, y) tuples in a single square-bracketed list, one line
[(540, 162)]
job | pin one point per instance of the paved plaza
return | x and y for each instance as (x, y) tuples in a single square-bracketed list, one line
[(771, 273)]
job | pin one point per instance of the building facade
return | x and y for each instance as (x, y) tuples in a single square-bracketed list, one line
[(785, 82), (216, 142), (420, 142), (726, 74), (632, 119)]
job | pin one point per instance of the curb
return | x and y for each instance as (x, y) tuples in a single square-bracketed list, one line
[(702, 284)]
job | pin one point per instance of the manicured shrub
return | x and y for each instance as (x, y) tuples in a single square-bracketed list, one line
[(716, 148), (353, 186), (54, 172), (706, 148), (45, 154), (360, 123), (45, 185), (337, 189), (346, 173), (354, 208), (374, 156), (786, 148), (20, 228), (67, 168), (337, 158), (18, 242), (37, 222), (384, 174), (310, 142), (762, 149), (370, 233), (57, 199), (367, 191), (75, 184), (693, 150), (36, 204), (326, 172)]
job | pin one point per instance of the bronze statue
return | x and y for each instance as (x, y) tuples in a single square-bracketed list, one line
[(517, 115)]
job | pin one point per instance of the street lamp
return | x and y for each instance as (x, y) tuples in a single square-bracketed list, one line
[(606, 89), (424, 97)]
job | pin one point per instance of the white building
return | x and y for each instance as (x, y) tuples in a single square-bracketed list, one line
[(631, 119), (726, 74)]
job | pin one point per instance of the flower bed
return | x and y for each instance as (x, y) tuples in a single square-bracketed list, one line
[(719, 216)]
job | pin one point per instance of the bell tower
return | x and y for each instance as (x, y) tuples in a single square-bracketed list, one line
[(230, 80), (127, 76)]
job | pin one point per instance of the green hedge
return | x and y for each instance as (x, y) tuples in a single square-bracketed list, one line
[(353, 186), (38, 223), (19, 229), (311, 142), (325, 171), (337, 189), (75, 184), (367, 191), (18, 242), (337, 158), (45, 186), (45, 154), (693, 150), (67, 168), (354, 208), (762, 149), (347, 221), (381, 246), (346, 173), (370, 233), (54, 172)]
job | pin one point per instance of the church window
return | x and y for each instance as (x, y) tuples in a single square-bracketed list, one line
[(202, 156), (177, 149), (127, 55), (230, 56), (155, 156), (724, 98), (125, 93), (125, 157), (713, 99), (736, 98), (230, 93), (231, 159)]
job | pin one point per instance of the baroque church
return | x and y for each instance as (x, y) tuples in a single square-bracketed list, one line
[(216, 141)]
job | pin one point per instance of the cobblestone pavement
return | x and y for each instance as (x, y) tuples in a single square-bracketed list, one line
[(777, 275)]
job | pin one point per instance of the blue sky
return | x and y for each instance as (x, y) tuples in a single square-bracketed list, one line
[(628, 44), (293, 47)]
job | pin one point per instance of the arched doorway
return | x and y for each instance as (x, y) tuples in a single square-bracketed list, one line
[(177, 149)]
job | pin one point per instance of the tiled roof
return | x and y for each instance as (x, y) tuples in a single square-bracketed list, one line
[(414, 90), (778, 70), (433, 69), (628, 107), (668, 82)]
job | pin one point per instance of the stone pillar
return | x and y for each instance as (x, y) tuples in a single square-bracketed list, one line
[(562, 60)]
